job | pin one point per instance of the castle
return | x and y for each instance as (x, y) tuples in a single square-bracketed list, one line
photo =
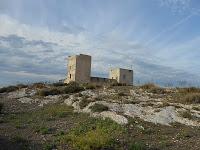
[(79, 70)]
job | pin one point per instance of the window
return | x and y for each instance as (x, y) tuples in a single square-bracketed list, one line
[(124, 76), (70, 76)]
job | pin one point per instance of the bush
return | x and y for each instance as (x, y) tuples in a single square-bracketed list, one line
[(189, 90), (44, 130), (90, 86), (57, 84), (121, 94), (72, 87), (192, 98), (46, 92), (8, 89), (137, 146), (38, 85), (186, 114), (20, 86), (49, 146), (92, 134), (99, 108), (1, 107), (152, 88), (148, 86), (84, 102)]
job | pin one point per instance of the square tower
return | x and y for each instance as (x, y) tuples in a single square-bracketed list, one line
[(79, 69), (123, 76)]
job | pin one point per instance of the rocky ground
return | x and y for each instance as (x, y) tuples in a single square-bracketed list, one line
[(42, 116)]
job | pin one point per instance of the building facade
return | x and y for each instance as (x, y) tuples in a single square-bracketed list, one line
[(123, 76), (79, 70)]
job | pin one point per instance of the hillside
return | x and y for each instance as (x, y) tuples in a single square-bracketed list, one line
[(60, 116)]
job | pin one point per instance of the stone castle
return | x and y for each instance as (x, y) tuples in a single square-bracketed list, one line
[(79, 70)]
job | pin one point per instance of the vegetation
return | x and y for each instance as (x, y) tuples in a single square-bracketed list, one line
[(137, 146), (186, 114), (47, 92), (152, 88), (60, 89), (8, 89), (85, 101), (1, 107), (99, 108), (90, 86), (192, 98), (190, 95), (92, 134)]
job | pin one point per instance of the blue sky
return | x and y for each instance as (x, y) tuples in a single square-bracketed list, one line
[(159, 39)]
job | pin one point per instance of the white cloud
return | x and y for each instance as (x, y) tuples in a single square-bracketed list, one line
[(176, 5)]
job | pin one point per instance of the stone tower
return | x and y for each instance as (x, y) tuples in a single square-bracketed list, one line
[(79, 69), (123, 76)]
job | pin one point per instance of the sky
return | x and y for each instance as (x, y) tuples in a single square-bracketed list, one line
[(158, 39)]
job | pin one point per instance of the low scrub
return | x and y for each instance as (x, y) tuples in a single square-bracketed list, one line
[(68, 88), (8, 89), (84, 102), (1, 107), (189, 90), (90, 86), (37, 118), (137, 146), (152, 88), (148, 86), (192, 98), (93, 134), (57, 84), (186, 114), (99, 108), (38, 85), (48, 91)]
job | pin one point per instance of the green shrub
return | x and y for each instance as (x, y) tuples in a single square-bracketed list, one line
[(57, 84), (90, 86), (72, 87), (43, 130), (186, 114), (18, 139), (121, 94), (137, 146), (8, 89), (84, 102), (20, 86), (1, 107), (38, 85), (49, 146), (99, 108), (46, 92), (196, 108), (92, 134)]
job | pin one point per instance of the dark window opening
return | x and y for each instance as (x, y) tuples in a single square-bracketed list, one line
[(70, 76), (124, 76)]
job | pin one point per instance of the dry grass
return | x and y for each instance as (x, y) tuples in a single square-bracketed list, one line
[(192, 98), (152, 88)]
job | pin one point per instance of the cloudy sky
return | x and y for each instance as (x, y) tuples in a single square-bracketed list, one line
[(159, 39)]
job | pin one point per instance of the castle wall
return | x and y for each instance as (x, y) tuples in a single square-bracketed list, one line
[(102, 81), (79, 69), (123, 76)]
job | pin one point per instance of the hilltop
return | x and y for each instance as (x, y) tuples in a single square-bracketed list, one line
[(73, 116)]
